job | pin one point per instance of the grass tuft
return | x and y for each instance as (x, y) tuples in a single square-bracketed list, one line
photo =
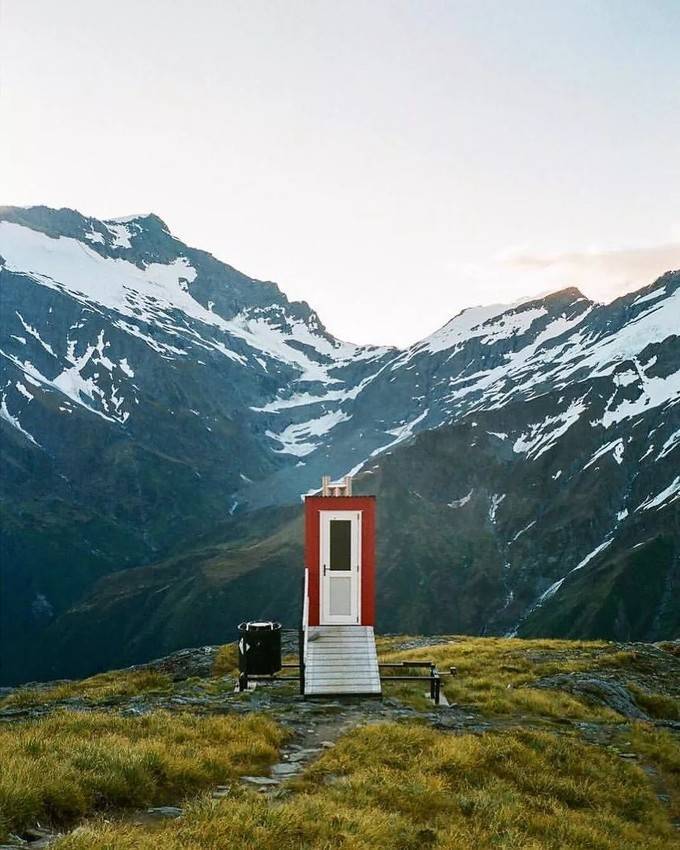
[(226, 660), (70, 764), (656, 705)]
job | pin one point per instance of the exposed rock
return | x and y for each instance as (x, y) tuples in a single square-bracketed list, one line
[(595, 690), (260, 780), (165, 811), (286, 768), (303, 755), (220, 792), (184, 664)]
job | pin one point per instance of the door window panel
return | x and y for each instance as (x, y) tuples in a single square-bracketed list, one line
[(341, 544)]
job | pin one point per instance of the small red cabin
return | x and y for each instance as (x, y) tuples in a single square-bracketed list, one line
[(340, 556)]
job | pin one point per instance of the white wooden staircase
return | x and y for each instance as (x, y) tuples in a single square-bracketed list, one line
[(341, 660)]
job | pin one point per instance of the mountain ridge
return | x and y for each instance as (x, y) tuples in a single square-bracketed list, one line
[(152, 396)]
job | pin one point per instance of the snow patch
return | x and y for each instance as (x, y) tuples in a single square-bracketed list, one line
[(23, 391), (121, 235), (403, 432), (522, 530), (295, 439), (543, 435), (669, 494), (14, 421), (616, 447), (495, 503), (34, 333), (459, 503), (95, 236), (596, 551), (125, 368), (650, 296)]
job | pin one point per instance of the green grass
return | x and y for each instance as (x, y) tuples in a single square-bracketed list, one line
[(492, 675), (69, 764), (656, 705), (226, 660), (662, 750), (97, 689), (407, 787)]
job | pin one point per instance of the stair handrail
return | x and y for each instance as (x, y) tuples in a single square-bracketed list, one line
[(305, 601), (304, 629)]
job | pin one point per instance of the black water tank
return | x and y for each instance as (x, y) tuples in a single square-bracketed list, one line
[(259, 648)]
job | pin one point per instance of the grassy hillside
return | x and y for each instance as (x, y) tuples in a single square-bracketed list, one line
[(570, 745)]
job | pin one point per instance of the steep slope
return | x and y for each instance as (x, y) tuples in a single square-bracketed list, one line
[(154, 401), (130, 368)]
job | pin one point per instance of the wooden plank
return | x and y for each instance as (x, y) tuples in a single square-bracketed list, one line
[(367, 678), (356, 687), (340, 647), (345, 681), (348, 667), (340, 689), (342, 660), (344, 674), (366, 665), (341, 639), (347, 675), (360, 686), (343, 657), (333, 641), (339, 661), (348, 671)]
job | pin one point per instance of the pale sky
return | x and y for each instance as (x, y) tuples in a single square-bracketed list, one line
[(389, 162)]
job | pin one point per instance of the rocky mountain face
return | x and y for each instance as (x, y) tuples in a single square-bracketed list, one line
[(161, 414)]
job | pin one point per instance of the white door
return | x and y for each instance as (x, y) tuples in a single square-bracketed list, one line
[(340, 567)]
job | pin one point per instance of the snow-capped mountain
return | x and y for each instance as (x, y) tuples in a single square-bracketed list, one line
[(152, 396)]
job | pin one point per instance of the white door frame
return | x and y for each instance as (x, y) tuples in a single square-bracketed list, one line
[(353, 575)]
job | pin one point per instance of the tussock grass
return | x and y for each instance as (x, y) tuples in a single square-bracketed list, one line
[(407, 787), (656, 705), (658, 744), (663, 751), (226, 660), (97, 689), (493, 675), (670, 646), (73, 763)]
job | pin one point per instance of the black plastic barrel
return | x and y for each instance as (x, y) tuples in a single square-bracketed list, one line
[(259, 648)]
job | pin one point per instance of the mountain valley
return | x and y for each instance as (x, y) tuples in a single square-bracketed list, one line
[(162, 414)]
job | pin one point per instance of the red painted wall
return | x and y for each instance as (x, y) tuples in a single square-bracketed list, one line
[(365, 504)]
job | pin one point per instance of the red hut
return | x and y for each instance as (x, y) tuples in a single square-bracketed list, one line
[(339, 603), (340, 556)]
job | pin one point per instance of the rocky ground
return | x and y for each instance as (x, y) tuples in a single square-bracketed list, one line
[(315, 725)]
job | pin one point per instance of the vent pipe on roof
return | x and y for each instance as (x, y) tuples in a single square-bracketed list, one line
[(336, 488)]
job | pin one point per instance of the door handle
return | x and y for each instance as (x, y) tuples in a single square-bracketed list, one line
[(324, 569)]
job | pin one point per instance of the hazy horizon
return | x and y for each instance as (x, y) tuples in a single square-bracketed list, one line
[(390, 164)]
